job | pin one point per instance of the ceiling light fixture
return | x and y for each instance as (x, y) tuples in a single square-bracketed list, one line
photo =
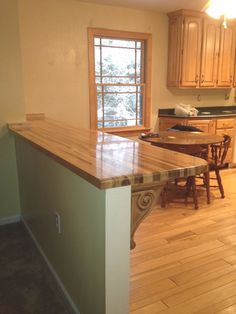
[(225, 9)]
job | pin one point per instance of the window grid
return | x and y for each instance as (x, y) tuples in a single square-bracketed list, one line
[(139, 87)]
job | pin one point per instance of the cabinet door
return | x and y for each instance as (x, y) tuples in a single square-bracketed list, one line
[(210, 51), (174, 49), (191, 52), (207, 126), (226, 57), (223, 132), (166, 123), (226, 123)]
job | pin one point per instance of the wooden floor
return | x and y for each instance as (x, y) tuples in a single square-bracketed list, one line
[(185, 259)]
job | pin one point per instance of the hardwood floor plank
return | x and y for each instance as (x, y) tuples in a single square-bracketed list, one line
[(186, 262), (197, 290), (204, 300), (211, 254), (156, 307), (155, 288), (231, 259), (173, 257), (181, 236), (175, 246), (215, 308), (201, 283), (229, 310), (190, 275)]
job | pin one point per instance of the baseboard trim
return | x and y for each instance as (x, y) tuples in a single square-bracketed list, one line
[(10, 220), (70, 303)]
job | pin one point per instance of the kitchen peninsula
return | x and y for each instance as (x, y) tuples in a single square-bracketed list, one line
[(98, 185)]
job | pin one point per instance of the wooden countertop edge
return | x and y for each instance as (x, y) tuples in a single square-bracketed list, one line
[(61, 161), (111, 182)]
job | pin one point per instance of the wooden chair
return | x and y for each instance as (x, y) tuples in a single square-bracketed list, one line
[(190, 182), (217, 160)]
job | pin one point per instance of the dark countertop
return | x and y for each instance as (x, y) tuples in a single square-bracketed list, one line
[(204, 112)]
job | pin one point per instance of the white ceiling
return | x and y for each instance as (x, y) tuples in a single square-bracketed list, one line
[(156, 5)]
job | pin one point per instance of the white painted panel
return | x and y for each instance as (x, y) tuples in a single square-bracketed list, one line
[(117, 254)]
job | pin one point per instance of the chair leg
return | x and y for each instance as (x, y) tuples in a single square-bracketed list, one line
[(207, 185), (220, 183)]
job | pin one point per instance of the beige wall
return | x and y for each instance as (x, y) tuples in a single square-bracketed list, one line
[(55, 57), (11, 106)]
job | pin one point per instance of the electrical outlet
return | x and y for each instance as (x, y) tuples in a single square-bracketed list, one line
[(58, 222)]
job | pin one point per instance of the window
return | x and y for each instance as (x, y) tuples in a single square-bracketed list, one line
[(119, 70)]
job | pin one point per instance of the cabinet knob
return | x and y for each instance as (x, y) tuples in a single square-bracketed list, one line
[(196, 78)]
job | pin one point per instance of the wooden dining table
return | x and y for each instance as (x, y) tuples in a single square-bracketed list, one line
[(183, 141), (192, 143)]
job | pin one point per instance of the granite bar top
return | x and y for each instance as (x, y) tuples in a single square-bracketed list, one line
[(105, 160), (204, 112)]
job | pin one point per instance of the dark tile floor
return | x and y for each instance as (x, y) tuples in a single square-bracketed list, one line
[(26, 284)]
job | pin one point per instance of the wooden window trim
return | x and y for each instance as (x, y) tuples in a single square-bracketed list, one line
[(147, 37)]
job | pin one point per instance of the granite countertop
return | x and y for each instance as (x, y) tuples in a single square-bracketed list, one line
[(105, 160), (204, 112)]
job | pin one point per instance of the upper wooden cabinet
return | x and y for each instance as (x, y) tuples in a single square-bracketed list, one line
[(210, 53), (201, 51), (226, 56), (174, 46), (191, 51)]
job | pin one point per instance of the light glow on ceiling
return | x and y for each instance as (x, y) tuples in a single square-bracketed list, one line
[(225, 9)]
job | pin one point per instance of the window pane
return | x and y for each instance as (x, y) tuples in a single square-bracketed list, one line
[(138, 44), (115, 124), (119, 79), (120, 89), (98, 80), (99, 88), (139, 89), (97, 61), (122, 106), (138, 63), (97, 41), (140, 107), (118, 43), (131, 122), (99, 106), (118, 61)]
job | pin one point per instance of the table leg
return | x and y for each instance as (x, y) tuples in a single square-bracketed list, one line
[(191, 185), (207, 184)]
